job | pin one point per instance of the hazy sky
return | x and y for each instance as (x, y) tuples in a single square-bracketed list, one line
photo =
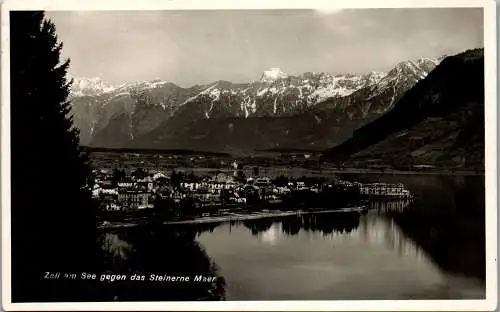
[(195, 47)]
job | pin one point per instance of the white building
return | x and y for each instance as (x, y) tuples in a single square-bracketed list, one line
[(159, 175), (262, 181), (383, 189)]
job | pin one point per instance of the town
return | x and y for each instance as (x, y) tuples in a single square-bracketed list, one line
[(180, 195)]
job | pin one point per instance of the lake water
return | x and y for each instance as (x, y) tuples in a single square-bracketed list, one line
[(369, 260), (431, 248)]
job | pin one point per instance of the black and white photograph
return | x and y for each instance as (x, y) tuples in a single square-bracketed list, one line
[(231, 155)]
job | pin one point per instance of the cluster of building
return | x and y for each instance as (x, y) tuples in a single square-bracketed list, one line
[(378, 189), (126, 195), (134, 193), (141, 193)]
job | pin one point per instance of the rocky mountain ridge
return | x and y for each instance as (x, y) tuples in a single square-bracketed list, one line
[(134, 114)]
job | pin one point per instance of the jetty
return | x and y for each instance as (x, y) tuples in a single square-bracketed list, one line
[(234, 217)]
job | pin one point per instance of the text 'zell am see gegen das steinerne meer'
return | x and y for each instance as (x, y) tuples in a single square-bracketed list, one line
[(134, 277)]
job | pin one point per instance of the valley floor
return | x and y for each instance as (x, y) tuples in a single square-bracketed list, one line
[(406, 172)]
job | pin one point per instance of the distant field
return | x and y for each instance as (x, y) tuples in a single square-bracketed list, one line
[(106, 158), (271, 167), (152, 151)]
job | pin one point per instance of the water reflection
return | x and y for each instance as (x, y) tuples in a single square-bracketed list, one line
[(396, 206), (428, 248), (446, 219), (329, 256), (160, 251), (370, 227), (258, 226)]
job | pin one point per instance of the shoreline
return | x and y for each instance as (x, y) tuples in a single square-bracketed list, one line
[(391, 172), (397, 172), (234, 217), (330, 171)]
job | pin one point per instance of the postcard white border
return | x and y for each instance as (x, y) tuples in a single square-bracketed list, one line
[(490, 45)]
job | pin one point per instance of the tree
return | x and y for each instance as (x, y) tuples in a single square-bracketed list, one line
[(139, 173), (189, 206), (164, 206), (176, 179), (225, 196), (118, 176), (255, 171), (191, 177), (240, 176), (281, 181), (53, 219)]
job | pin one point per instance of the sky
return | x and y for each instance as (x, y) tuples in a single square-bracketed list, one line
[(199, 47)]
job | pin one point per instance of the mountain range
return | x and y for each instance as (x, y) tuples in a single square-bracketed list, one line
[(312, 111), (437, 123)]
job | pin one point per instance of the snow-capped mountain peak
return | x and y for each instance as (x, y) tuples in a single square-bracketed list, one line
[(320, 95), (90, 86), (83, 86), (415, 68), (272, 75)]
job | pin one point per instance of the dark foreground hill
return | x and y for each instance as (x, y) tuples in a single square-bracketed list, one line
[(437, 123)]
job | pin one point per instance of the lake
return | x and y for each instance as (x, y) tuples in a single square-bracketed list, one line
[(431, 248)]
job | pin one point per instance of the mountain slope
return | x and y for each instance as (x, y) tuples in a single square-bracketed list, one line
[(133, 109), (240, 117), (243, 118), (439, 122)]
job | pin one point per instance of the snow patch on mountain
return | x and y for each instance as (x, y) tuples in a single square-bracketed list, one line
[(95, 101), (83, 86), (90, 86), (143, 85), (272, 75), (284, 94)]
